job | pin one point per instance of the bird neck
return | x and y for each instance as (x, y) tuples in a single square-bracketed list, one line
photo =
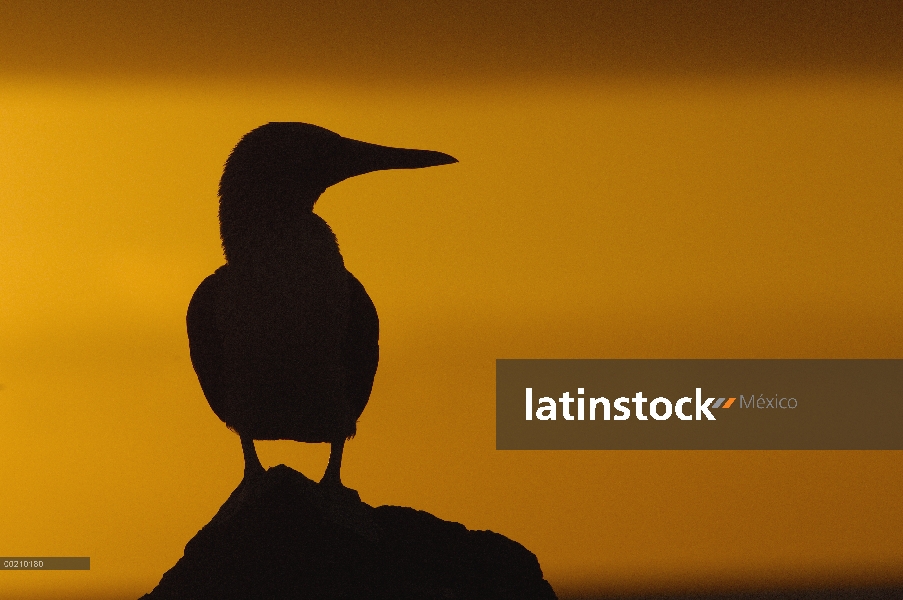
[(304, 239)]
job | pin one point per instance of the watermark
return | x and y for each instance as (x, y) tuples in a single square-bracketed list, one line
[(45, 563), (744, 404)]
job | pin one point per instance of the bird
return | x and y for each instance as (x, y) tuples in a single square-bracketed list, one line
[(283, 338)]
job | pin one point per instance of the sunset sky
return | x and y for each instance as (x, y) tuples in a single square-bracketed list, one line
[(645, 179)]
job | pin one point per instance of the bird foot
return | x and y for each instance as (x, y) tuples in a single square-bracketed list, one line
[(337, 493), (253, 473)]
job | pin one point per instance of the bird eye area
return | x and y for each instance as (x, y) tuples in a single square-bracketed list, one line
[(280, 161)]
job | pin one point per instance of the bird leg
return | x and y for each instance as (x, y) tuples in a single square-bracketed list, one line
[(253, 468), (332, 476)]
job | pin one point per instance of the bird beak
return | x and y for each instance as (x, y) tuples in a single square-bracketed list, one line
[(349, 158)]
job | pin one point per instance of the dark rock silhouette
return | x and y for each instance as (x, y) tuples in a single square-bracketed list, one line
[(284, 536), (284, 340)]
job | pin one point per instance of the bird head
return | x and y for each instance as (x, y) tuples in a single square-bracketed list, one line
[(281, 169)]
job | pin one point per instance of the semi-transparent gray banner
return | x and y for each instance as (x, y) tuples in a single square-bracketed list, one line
[(690, 404), (45, 563)]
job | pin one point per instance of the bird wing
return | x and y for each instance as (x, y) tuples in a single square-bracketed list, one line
[(205, 343), (360, 352), (361, 347)]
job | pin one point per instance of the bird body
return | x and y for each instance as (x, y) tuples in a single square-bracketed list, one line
[(298, 346), (284, 340)]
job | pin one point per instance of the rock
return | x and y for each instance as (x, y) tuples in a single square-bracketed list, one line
[(283, 536)]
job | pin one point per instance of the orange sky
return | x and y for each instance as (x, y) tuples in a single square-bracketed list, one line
[(402, 40), (722, 204)]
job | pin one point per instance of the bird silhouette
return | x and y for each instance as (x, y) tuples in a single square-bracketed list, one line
[(284, 340)]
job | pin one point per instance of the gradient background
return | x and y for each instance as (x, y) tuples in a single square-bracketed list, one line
[(640, 179)]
